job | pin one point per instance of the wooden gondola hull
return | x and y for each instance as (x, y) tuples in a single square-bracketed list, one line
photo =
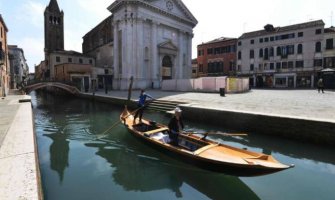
[(226, 168), (202, 153)]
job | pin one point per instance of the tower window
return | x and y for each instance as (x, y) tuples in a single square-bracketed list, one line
[(50, 19)]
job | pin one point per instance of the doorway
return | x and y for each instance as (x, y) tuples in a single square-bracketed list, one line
[(167, 68)]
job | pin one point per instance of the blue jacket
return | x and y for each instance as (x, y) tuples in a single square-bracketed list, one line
[(142, 99)]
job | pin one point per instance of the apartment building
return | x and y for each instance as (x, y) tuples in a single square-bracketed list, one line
[(285, 57), (217, 57), (4, 64)]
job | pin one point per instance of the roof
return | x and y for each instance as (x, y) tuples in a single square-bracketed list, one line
[(282, 29), (102, 23), (221, 39), (70, 52), (3, 22), (53, 6)]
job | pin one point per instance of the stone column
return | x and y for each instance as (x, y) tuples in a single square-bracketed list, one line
[(181, 50), (154, 53)]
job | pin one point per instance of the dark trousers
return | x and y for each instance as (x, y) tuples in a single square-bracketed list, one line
[(174, 137), (320, 88), (139, 112)]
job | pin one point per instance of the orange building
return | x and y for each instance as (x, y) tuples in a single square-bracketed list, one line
[(79, 74), (4, 62), (217, 57)]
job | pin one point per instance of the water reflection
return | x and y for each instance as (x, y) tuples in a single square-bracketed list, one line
[(142, 169), (59, 154)]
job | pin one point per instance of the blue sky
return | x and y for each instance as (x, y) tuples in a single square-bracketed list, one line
[(217, 18)]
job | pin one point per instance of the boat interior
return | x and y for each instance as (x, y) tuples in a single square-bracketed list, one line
[(161, 133)]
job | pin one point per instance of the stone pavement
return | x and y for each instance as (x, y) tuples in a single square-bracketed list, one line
[(19, 174), (297, 104)]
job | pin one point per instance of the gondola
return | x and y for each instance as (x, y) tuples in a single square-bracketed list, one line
[(202, 152)]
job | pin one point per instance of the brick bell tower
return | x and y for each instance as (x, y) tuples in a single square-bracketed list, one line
[(53, 28)]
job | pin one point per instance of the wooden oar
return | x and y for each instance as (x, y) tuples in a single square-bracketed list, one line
[(218, 133), (118, 122)]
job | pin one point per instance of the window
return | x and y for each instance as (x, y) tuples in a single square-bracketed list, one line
[(301, 34), (266, 54), (317, 62), (290, 64), (239, 55), (80, 60), (201, 68), (266, 39), (318, 31), (209, 51), (271, 52), (57, 59), (299, 48), (261, 53), (318, 47), (252, 41), (278, 65), (69, 60), (260, 40), (272, 66), (329, 62), (239, 43), (329, 44), (284, 65), (299, 64), (290, 49), (252, 67), (272, 38), (252, 54), (278, 51), (91, 61)]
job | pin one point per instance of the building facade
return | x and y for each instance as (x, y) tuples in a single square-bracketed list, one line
[(284, 57), (98, 43), (152, 41), (4, 62), (217, 57), (19, 70)]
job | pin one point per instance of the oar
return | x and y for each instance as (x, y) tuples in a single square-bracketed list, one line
[(218, 133), (118, 122)]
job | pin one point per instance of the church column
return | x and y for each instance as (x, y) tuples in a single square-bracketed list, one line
[(188, 67), (117, 71), (181, 50), (154, 55)]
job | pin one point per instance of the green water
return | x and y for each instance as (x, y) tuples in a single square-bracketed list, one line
[(75, 165)]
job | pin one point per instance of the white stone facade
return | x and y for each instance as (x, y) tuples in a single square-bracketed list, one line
[(152, 42)]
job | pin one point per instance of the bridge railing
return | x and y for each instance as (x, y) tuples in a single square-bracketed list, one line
[(32, 82)]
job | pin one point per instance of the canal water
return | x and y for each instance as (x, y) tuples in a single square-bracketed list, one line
[(75, 165)]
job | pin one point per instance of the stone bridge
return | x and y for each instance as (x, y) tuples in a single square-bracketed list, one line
[(38, 85)]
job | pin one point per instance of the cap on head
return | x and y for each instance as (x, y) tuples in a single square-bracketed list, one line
[(177, 110)]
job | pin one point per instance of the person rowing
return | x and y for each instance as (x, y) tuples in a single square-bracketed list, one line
[(141, 105), (176, 125)]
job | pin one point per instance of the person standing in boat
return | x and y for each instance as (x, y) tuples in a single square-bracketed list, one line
[(176, 125), (141, 105)]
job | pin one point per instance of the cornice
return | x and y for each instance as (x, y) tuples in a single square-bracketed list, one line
[(117, 4)]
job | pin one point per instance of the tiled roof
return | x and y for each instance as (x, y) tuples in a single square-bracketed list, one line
[(221, 39)]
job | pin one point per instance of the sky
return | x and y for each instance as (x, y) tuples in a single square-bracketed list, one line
[(217, 18)]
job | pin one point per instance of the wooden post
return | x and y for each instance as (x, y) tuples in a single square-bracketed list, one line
[(130, 89)]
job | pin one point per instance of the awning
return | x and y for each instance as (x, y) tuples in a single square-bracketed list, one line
[(328, 70)]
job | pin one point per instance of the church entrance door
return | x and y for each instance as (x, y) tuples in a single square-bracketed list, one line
[(167, 68)]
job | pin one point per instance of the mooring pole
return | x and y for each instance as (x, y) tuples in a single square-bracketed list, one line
[(130, 89)]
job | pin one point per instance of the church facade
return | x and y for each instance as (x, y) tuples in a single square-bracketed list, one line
[(151, 41)]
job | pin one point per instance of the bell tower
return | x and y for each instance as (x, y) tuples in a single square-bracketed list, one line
[(53, 28)]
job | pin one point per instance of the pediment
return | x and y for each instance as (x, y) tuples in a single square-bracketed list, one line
[(174, 7), (168, 45)]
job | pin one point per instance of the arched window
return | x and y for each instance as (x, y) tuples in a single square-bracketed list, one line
[(261, 53), (271, 52), (50, 19), (278, 51), (252, 53), (318, 47), (266, 54), (300, 49)]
